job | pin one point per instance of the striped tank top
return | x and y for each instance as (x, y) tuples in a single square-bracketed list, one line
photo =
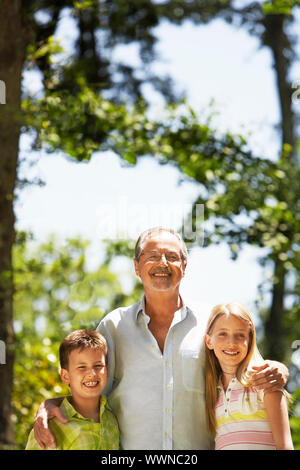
[(242, 422)]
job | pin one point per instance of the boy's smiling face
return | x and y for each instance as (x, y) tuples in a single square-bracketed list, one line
[(86, 374)]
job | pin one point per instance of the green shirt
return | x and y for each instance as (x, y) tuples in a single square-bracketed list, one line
[(82, 433)]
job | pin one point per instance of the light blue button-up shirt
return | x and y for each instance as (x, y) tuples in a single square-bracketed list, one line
[(159, 399)]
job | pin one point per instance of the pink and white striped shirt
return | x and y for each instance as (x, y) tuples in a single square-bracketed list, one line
[(242, 422)]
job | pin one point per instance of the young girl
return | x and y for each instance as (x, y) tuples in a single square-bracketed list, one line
[(237, 415)]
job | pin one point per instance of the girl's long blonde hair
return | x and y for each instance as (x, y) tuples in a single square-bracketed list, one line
[(213, 369)]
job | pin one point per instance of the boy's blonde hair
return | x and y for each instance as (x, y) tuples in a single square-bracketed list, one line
[(213, 370), (80, 339)]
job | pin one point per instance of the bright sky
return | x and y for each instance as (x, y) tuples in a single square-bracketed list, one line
[(209, 62)]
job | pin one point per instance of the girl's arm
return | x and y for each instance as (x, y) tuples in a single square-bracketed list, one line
[(277, 411)]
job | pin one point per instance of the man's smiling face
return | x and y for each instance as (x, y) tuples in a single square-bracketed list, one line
[(161, 266)]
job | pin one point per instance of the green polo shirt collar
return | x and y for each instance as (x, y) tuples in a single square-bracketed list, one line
[(70, 412)]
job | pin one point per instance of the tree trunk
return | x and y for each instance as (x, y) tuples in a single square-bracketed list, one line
[(277, 40), (12, 51), (274, 331)]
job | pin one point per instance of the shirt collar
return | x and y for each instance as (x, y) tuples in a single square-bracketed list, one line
[(233, 383), (70, 412), (141, 310)]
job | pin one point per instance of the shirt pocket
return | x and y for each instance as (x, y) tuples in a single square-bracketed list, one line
[(193, 371)]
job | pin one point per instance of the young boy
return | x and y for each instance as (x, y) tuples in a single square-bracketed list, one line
[(91, 425)]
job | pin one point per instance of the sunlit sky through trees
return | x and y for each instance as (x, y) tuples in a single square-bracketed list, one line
[(213, 62)]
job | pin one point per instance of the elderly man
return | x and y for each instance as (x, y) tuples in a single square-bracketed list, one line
[(156, 383)]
